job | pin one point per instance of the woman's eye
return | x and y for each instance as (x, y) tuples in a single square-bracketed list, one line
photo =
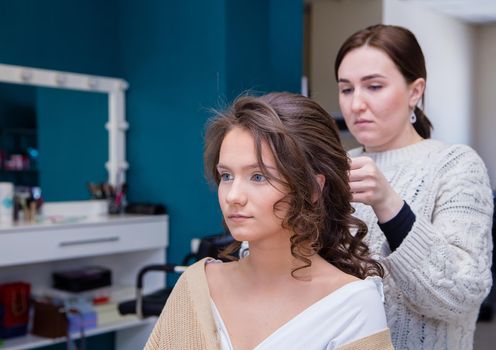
[(345, 91), (258, 177), (375, 87), (225, 177)]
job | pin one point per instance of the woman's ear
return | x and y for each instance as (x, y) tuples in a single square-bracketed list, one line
[(416, 91), (321, 181)]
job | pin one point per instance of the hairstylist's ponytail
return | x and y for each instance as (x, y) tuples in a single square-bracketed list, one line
[(423, 125)]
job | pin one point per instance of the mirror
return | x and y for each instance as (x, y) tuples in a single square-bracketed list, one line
[(52, 130)]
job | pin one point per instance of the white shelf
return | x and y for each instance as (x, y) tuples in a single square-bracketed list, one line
[(32, 341)]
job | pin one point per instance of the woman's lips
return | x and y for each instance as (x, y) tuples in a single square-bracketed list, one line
[(362, 122), (238, 217)]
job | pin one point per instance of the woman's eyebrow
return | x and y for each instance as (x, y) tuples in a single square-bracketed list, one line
[(365, 78), (372, 76), (246, 167)]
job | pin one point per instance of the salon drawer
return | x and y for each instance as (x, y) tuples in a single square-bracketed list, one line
[(81, 240)]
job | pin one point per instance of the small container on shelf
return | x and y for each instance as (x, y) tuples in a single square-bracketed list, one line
[(6, 203), (14, 313)]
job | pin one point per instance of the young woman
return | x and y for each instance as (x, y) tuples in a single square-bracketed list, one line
[(308, 282), (428, 205)]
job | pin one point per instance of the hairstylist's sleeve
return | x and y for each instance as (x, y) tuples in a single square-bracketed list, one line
[(443, 264)]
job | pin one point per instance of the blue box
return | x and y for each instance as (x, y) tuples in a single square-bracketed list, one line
[(80, 314)]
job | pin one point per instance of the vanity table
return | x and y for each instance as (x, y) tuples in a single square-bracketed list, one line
[(32, 251)]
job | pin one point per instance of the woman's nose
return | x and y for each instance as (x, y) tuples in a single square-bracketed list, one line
[(357, 102), (236, 193)]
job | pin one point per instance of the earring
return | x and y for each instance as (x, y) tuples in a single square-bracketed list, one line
[(413, 117)]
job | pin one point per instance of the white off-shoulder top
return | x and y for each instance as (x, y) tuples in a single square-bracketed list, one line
[(349, 313)]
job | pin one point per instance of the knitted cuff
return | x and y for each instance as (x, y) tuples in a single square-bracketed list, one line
[(412, 252), (398, 227)]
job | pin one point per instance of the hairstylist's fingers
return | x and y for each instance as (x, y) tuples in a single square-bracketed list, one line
[(361, 197), (363, 186), (353, 187), (367, 172), (357, 175), (359, 162)]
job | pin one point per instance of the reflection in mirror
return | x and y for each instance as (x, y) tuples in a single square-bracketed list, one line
[(18, 135)]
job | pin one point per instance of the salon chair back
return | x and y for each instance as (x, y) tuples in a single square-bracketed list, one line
[(152, 304)]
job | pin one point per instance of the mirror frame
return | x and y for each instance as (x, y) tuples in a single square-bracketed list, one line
[(114, 87)]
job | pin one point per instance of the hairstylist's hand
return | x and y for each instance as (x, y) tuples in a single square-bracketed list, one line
[(369, 186)]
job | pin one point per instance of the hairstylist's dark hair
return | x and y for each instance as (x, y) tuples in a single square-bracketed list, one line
[(304, 140), (404, 50)]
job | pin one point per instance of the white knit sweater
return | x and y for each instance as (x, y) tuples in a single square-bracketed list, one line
[(437, 278)]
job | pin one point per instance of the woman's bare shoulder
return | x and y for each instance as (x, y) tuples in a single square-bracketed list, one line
[(331, 277), (219, 273)]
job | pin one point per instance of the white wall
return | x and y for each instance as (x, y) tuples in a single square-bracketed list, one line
[(449, 46), (331, 22), (485, 100)]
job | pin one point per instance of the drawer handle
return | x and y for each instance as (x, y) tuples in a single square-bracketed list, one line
[(89, 241)]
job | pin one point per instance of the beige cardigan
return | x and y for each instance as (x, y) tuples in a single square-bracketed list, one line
[(187, 323)]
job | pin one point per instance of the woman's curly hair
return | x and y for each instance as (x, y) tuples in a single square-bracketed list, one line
[(304, 140)]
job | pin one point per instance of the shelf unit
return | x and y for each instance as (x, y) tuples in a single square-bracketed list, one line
[(30, 252)]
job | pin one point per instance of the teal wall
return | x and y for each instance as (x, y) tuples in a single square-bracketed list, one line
[(264, 46), (180, 59), (70, 35)]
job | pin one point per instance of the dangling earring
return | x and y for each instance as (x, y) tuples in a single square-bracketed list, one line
[(413, 117)]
